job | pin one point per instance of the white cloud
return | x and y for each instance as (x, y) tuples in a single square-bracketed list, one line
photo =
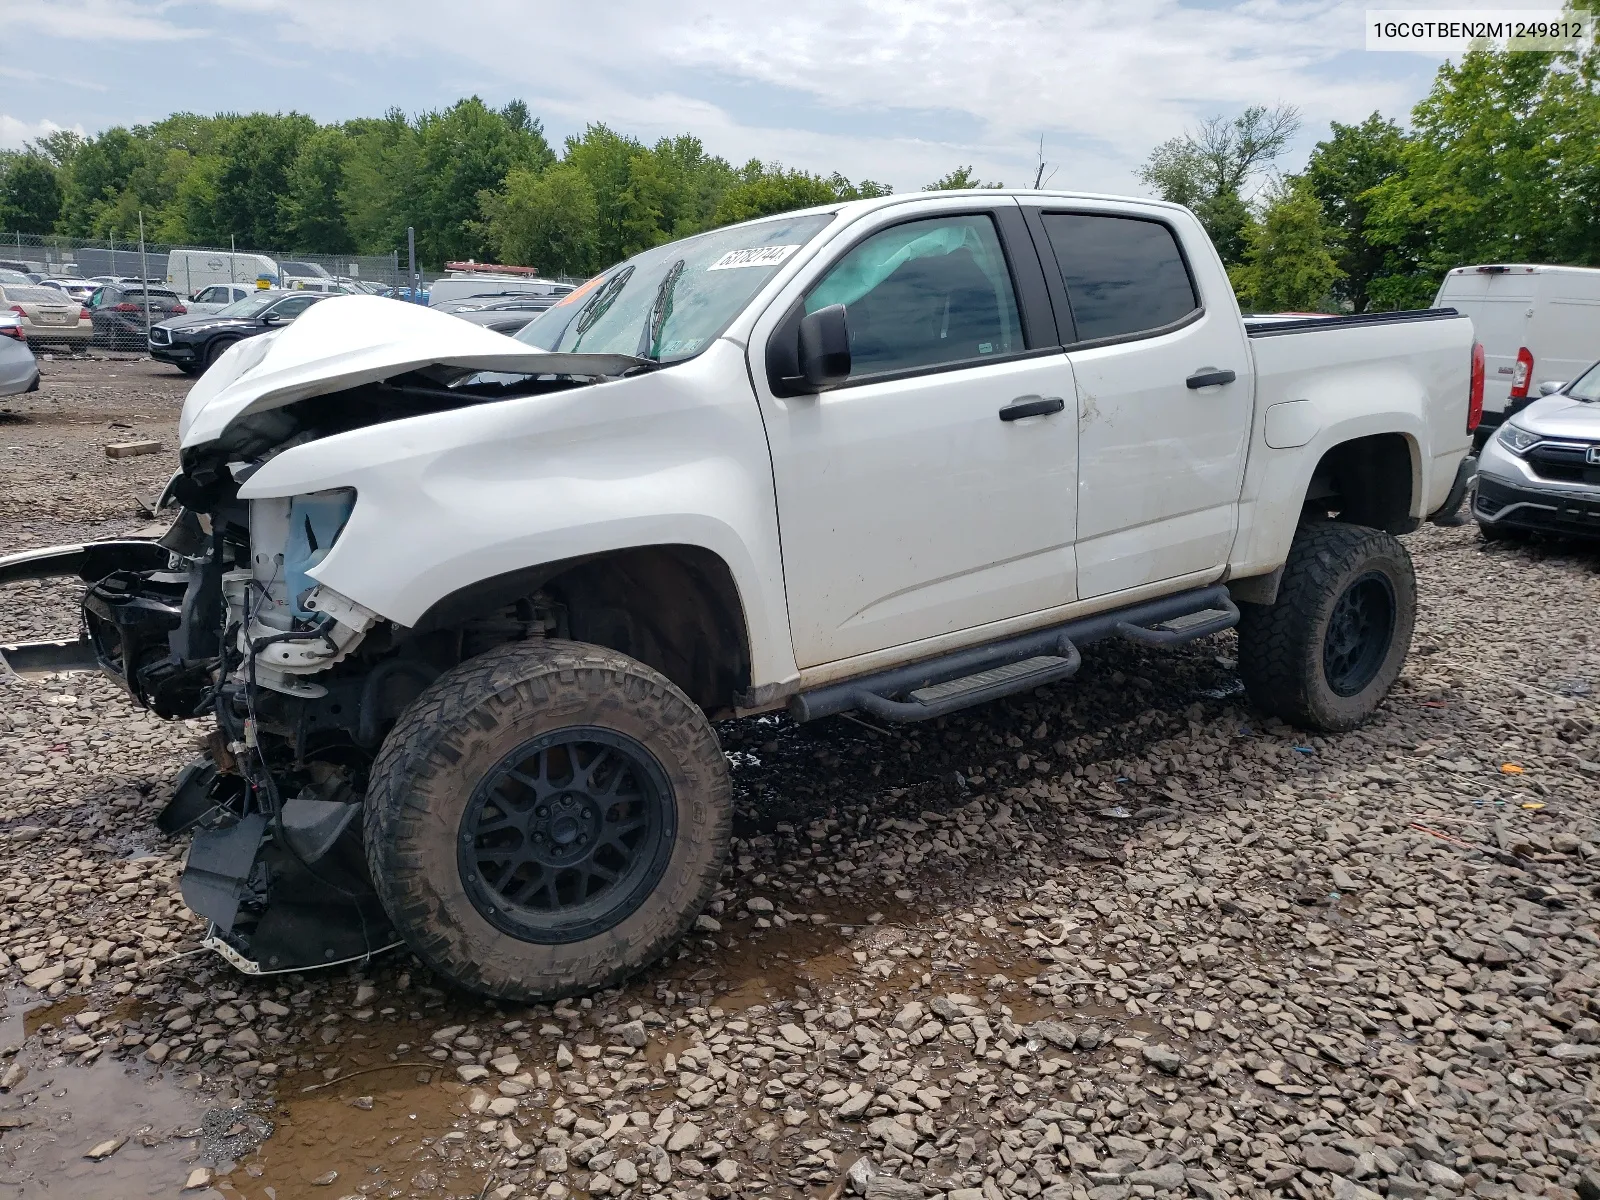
[(14, 133), (100, 20), (1110, 78)]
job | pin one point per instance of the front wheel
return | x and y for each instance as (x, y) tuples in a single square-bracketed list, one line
[(1326, 652), (547, 818)]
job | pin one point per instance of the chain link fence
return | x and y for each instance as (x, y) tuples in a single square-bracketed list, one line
[(188, 268)]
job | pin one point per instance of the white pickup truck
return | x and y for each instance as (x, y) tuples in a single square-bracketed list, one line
[(465, 608)]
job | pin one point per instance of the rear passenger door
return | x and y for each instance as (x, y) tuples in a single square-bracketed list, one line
[(1163, 391)]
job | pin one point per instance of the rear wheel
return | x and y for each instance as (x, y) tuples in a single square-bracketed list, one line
[(547, 818), (1326, 652)]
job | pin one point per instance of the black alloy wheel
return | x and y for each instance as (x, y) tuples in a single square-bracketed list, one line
[(565, 837), (1360, 630)]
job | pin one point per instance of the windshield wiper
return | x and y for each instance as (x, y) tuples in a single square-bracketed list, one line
[(660, 311)]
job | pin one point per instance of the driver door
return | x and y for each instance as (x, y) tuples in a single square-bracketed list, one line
[(911, 503)]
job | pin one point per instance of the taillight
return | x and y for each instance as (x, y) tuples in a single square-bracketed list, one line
[(1475, 389), (179, 309), (20, 311), (124, 307), (13, 331), (1523, 375), (84, 314)]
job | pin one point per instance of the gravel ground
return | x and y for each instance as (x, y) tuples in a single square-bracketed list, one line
[(1121, 937)]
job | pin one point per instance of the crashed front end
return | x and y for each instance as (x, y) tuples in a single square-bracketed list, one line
[(223, 617)]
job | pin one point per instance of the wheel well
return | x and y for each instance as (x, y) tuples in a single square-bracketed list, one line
[(674, 608), (1366, 481)]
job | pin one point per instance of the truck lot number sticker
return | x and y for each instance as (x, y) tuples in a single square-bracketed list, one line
[(755, 256)]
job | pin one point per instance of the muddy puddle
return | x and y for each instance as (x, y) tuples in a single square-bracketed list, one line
[(53, 1116), (371, 1112)]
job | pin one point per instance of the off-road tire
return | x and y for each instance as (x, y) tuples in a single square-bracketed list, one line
[(1282, 645), (455, 733)]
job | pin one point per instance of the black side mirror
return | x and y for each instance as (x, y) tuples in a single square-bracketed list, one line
[(825, 347)]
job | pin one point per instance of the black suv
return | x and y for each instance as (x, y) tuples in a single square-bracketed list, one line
[(193, 343)]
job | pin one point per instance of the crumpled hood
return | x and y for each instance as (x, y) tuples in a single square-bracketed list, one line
[(346, 341), (1561, 416)]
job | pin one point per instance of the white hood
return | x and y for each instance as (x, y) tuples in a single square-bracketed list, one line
[(346, 341)]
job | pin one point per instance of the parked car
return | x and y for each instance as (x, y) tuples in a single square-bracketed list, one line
[(190, 270), (460, 284), (193, 343), (118, 313), (503, 314), (290, 271), (19, 278), (475, 602), (218, 296), (78, 289), (1535, 322), (19, 370), (47, 315), (1540, 473)]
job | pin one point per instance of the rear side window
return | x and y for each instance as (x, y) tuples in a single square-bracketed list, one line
[(1123, 275), (923, 294)]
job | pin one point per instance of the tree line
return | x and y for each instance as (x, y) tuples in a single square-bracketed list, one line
[(1501, 162)]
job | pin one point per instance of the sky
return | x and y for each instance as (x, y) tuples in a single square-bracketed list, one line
[(899, 91)]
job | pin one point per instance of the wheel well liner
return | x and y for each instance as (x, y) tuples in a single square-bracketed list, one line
[(1368, 481), (675, 608)]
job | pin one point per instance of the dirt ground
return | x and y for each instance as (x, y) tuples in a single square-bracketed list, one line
[(1118, 937)]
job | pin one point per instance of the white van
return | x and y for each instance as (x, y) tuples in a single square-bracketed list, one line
[(1536, 324), (190, 270)]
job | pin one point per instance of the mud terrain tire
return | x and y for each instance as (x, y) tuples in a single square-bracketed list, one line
[(1326, 653), (442, 778)]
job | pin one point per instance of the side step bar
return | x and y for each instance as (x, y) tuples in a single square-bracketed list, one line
[(978, 674)]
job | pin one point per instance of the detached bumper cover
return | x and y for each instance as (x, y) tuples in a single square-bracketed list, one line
[(1458, 490), (1571, 512), (87, 560)]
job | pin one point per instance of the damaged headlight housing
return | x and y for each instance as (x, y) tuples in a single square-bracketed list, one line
[(1518, 440)]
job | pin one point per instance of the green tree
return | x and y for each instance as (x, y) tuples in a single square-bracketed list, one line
[(313, 210), (30, 193), (1342, 172), (1289, 264), (95, 180), (252, 179), (1501, 167), (961, 177), (462, 152), (543, 219), (1210, 170)]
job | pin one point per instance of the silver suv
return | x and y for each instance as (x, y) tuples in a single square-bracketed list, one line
[(1541, 471)]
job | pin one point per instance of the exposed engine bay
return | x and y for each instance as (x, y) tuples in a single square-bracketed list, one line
[(222, 617)]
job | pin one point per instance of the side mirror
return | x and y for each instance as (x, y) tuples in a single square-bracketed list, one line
[(1550, 387), (271, 319), (825, 347)]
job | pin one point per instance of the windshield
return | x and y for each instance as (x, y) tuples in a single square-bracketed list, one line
[(1587, 386), (248, 307), (670, 302)]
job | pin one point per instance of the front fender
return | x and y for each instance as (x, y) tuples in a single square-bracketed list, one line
[(445, 500)]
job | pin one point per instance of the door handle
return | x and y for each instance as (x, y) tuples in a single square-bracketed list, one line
[(1032, 406), (1208, 378)]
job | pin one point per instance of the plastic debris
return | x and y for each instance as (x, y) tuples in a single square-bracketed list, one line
[(1116, 811), (1510, 769), (1532, 805), (1305, 750)]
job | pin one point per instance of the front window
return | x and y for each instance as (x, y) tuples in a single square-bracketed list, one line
[(1587, 386), (671, 302), (923, 294)]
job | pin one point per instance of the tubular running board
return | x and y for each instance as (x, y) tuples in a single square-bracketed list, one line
[(938, 686)]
